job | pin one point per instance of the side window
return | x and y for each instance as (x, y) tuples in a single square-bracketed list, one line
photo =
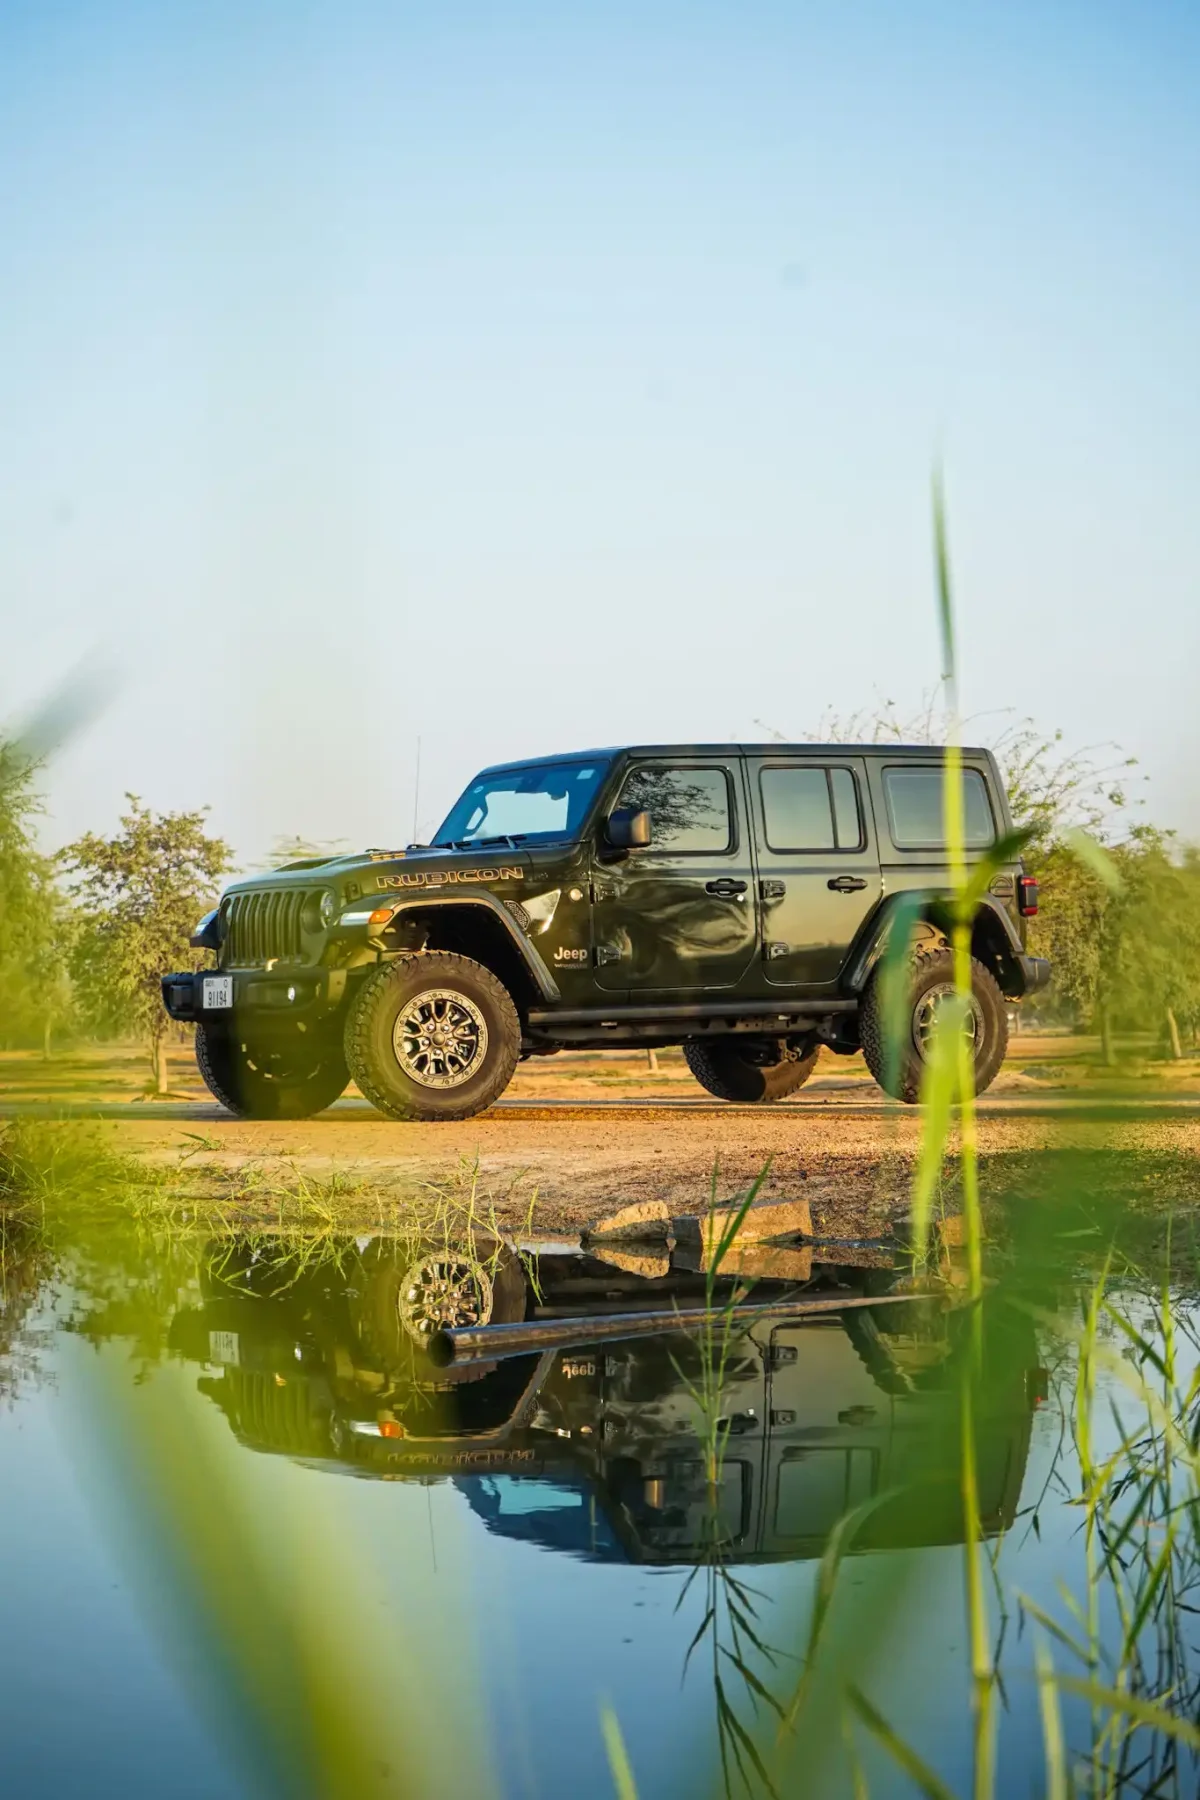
[(810, 809), (916, 809), (689, 808)]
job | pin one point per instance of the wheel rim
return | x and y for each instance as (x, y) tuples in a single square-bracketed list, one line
[(445, 1293), (928, 1010), (440, 1038)]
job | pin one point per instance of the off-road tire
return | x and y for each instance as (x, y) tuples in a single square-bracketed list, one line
[(931, 969), (729, 1071), (288, 1079), (372, 1057)]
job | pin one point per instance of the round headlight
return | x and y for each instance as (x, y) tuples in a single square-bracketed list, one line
[(328, 907)]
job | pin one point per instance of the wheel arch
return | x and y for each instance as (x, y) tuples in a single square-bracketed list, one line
[(480, 927), (994, 942)]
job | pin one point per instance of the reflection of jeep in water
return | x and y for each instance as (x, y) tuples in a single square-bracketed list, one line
[(732, 899), (600, 1451)]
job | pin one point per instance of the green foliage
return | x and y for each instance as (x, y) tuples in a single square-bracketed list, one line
[(139, 895), (35, 927), (1150, 961)]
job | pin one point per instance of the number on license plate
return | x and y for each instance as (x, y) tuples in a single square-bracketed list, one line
[(224, 1348), (218, 992)]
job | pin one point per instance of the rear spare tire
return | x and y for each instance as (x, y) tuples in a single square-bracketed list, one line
[(750, 1070), (432, 1036)]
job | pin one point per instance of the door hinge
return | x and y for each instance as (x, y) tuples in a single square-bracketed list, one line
[(783, 1355), (606, 953), (782, 1415), (776, 950), (773, 890)]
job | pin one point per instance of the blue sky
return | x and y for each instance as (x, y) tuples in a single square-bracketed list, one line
[(526, 378)]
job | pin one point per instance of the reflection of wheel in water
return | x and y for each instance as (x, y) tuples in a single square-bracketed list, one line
[(444, 1292), (480, 1281)]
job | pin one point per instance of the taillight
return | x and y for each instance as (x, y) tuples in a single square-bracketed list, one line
[(1027, 896)]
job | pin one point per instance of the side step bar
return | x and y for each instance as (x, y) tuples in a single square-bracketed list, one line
[(491, 1343), (767, 1015)]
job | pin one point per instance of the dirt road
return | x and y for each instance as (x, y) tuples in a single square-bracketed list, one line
[(589, 1132)]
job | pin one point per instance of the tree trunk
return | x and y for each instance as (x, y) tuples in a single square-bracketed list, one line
[(652, 1061), (1173, 1035), (1106, 1038), (161, 1070), (47, 1030)]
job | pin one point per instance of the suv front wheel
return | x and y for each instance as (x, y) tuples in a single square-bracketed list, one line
[(750, 1070), (931, 985), (432, 1036)]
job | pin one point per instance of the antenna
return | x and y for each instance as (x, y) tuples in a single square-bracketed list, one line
[(416, 790)]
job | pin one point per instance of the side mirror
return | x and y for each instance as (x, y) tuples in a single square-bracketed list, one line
[(627, 829)]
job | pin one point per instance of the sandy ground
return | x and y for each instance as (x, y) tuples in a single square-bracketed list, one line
[(579, 1134)]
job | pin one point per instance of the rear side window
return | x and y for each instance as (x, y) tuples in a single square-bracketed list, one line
[(916, 809), (810, 809), (689, 808)]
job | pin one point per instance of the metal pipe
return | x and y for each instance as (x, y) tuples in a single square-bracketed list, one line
[(491, 1343)]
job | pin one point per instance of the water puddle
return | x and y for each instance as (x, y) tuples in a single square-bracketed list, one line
[(324, 1515)]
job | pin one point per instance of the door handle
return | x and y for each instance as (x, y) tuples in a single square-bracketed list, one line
[(726, 889), (846, 884)]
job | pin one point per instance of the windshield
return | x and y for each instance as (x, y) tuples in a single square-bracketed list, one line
[(529, 805)]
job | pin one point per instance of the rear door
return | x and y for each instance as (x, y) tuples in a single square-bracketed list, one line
[(818, 864), (679, 917)]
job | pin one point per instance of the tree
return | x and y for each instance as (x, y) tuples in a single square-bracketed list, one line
[(1150, 950), (139, 895), (1050, 789), (35, 923)]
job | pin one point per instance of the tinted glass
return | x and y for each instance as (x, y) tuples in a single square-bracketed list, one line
[(810, 809), (689, 808), (796, 809), (549, 800), (845, 809), (916, 809)]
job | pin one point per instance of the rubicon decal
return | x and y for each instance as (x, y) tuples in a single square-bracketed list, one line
[(440, 877)]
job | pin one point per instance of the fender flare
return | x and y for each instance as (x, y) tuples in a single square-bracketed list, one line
[(427, 902), (932, 904)]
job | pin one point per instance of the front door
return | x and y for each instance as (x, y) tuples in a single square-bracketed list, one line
[(679, 917), (818, 864)]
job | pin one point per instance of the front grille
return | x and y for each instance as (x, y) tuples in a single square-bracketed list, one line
[(264, 927)]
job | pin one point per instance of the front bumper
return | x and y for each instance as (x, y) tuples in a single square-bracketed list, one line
[(1036, 971), (297, 993)]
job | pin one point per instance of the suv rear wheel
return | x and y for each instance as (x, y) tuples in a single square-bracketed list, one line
[(932, 984), (289, 1076), (750, 1070), (432, 1036)]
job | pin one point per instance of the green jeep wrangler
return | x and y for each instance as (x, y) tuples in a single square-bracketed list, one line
[(735, 899)]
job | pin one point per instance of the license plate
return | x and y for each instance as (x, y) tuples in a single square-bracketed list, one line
[(218, 993), (224, 1348)]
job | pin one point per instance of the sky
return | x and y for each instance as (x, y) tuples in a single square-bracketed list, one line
[(522, 378)]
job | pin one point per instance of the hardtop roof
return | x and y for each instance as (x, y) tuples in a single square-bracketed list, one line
[(931, 752)]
